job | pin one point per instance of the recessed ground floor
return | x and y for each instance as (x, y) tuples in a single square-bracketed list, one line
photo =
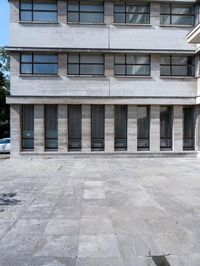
[(56, 129), (91, 212)]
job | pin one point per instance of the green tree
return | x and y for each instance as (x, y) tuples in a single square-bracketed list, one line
[(4, 91)]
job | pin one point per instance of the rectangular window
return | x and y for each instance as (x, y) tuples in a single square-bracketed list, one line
[(98, 127), (85, 12), (132, 65), (27, 127), (166, 124), (81, 64), (74, 127), (45, 64), (143, 125), (38, 10), (135, 13), (51, 127), (188, 128), (121, 127), (171, 65), (176, 14)]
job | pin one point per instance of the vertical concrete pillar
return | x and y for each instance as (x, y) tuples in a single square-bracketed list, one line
[(197, 127), (178, 128), (108, 11), (62, 14), (39, 144), (86, 128), (132, 128), (109, 128), (14, 11), (62, 64), (62, 128), (155, 66), (15, 130), (109, 65), (155, 128), (155, 14)]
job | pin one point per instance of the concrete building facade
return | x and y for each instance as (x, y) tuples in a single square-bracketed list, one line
[(104, 78)]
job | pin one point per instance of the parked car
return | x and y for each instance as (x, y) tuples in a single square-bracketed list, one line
[(5, 145)]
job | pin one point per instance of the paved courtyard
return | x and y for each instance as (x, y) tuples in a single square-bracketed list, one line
[(89, 212)]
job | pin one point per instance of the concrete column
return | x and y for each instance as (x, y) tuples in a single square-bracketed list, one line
[(155, 14), (14, 11), (109, 128), (62, 64), (197, 127), (39, 144), (155, 66), (15, 130), (178, 128), (86, 128), (62, 128), (62, 11), (108, 11), (132, 128), (155, 128), (109, 65)]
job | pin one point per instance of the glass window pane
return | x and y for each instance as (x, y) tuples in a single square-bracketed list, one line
[(74, 127), (166, 127), (51, 127), (27, 127), (45, 69), (94, 7), (179, 60), (165, 60), (73, 58), (138, 70), (165, 8), (120, 70), (165, 19), (45, 16), (182, 20), (179, 70), (73, 17), (137, 19), (73, 6), (120, 59), (92, 17), (45, 6), (96, 59), (182, 10), (26, 68), (119, 7), (132, 8), (119, 18), (26, 58), (26, 5), (73, 69), (165, 71), (121, 127), (97, 126), (45, 58), (91, 69), (26, 15)]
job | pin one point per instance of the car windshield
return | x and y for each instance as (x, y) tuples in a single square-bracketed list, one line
[(4, 141)]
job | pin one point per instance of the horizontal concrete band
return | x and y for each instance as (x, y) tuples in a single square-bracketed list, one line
[(99, 50), (101, 100)]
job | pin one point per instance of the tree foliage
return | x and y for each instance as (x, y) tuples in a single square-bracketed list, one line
[(4, 91)]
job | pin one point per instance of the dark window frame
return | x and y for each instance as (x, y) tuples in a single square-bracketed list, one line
[(174, 65), (133, 13), (23, 148), (178, 14), (147, 148), (92, 139), (79, 65), (32, 10), (45, 129), (92, 12), (127, 64), (32, 63)]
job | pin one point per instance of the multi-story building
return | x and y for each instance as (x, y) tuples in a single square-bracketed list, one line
[(104, 77)]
